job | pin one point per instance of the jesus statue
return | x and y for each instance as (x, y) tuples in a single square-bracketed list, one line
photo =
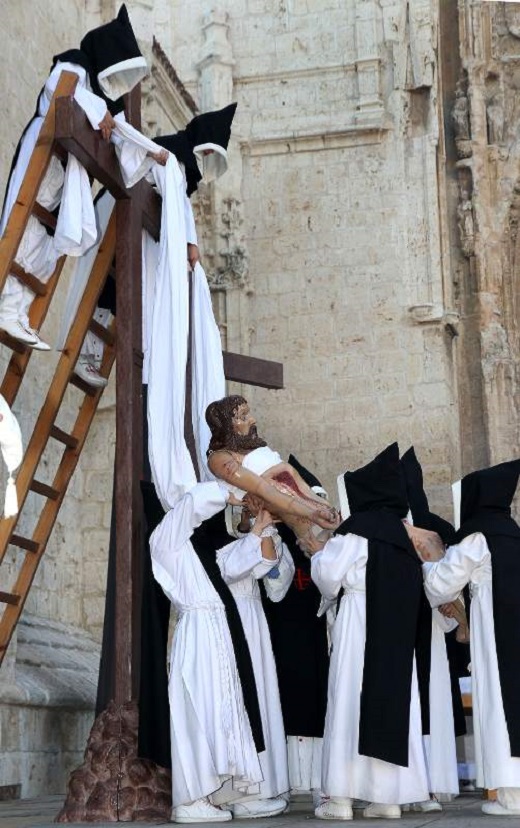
[(251, 470)]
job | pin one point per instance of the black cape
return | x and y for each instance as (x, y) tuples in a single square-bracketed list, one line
[(486, 498), (300, 648), (425, 519)]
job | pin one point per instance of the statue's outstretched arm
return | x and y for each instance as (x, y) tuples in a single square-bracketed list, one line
[(226, 467)]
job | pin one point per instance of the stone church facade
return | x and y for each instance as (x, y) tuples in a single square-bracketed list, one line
[(365, 235)]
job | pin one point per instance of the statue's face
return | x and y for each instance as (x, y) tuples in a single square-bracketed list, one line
[(243, 421)]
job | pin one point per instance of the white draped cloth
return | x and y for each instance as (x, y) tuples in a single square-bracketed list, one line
[(346, 773), (470, 562), (440, 746), (209, 383), (172, 468), (242, 565), (210, 732)]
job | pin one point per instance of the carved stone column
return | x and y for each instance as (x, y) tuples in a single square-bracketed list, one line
[(219, 205)]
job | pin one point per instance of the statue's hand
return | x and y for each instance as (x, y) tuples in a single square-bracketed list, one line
[(327, 518), (254, 503)]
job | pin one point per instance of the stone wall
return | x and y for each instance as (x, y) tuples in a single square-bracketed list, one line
[(347, 283)]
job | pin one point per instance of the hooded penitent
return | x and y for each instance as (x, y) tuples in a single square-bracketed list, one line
[(207, 133), (111, 56), (485, 506), (375, 496), (299, 638), (425, 519)]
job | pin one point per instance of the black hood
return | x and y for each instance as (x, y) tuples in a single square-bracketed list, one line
[(418, 501)]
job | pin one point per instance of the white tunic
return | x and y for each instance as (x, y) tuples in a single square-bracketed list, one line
[(440, 746), (346, 773), (210, 731), (470, 562), (242, 565)]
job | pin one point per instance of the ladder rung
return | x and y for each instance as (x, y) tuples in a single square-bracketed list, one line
[(9, 598), (101, 332), (63, 437), (45, 216), (28, 279), (44, 489), (24, 543), (12, 343), (83, 386)]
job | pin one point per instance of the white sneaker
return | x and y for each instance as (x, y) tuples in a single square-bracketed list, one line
[(335, 808), (256, 808), (15, 329), (39, 345), (496, 809), (377, 810), (200, 811), (89, 374), (427, 806)]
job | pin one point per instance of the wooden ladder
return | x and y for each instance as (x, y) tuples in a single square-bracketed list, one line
[(31, 548)]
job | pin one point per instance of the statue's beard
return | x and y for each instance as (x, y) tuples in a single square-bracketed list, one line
[(247, 442)]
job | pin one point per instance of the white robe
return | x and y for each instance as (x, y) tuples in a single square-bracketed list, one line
[(440, 746), (242, 565), (346, 773), (470, 562), (210, 732)]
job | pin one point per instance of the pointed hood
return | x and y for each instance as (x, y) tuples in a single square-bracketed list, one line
[(418, 501), (111, 56), (209, 131), (311, 479), (489, 490), (377, 486)]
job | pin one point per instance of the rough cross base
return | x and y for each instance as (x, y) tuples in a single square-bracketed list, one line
[(113, 784)]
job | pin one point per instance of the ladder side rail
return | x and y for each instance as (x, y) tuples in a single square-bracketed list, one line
[(47, 519), (61, 379), (34, 174)]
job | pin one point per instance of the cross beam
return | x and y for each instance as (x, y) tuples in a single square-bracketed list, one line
[(135, 208)]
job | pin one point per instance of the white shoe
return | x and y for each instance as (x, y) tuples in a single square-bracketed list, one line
[(39, 345), (14, 328), (377, 810), (256, 808), (429, 805), (89, 374), (200, 811), (335, 808), (496, 809)]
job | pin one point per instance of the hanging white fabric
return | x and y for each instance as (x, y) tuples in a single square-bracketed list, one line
[(209, 383), (76, 230), (83, 267), (172, 469)]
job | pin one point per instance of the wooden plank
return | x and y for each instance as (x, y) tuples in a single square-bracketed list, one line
[(13, 344), (37, 287), (129, 452), (35, 172), (62, 436), (101, 332), (253, 371), (44, 215), (9, 598), (24, 543), (74, 133), (44, 490)]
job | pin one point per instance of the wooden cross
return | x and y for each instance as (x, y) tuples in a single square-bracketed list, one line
[(135, 208)]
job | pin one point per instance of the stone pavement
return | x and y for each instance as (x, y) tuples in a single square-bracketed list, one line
[(464, 812)]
